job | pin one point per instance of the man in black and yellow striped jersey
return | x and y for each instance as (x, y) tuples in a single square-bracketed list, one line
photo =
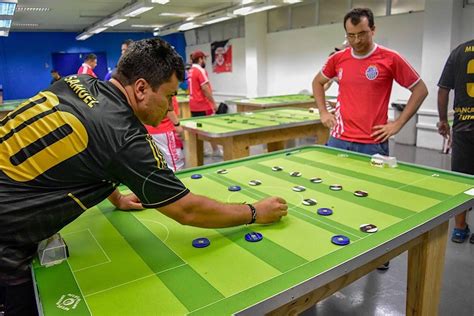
[(70, 146)]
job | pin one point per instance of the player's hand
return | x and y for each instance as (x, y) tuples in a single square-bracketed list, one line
[(328, 119), (128, 202), (179, 129), (443, 128), (270, 210), (383, 132)]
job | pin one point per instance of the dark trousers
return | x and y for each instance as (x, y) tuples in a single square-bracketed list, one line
[(18, 300)]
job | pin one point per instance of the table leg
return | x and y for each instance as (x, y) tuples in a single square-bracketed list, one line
[(235, 147), (185, 111), (194, 150), (425, 272), (276, 146), (322, 134)]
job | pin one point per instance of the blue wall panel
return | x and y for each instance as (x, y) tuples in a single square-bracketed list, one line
[(26, 57)]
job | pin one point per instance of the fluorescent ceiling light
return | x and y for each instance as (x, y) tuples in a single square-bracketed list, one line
[(164, 32), (147, 26), (4, 32), (138, 11), (180, 15), (160, 1), (83, 36), (260, 9), (291, 1), (188, 26), (7, 8), (244, 2), (25, 24), (114, 22), (32, 9), (98, 30), (243, 11), (217, 20), (6, 23)]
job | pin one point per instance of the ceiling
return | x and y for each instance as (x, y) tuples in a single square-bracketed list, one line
[(75, 16)]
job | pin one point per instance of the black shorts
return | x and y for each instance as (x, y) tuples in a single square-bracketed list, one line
[(463, 152), (198, 113)]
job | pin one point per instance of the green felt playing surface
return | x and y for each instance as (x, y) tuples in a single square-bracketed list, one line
[(143, 263), (241, 121), (290, 99), (182, 98)]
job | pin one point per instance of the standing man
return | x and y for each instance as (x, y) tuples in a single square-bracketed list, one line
[(365, 72), (87, 68), (458, 74), (201, 100), (123, 49), (74, 143)]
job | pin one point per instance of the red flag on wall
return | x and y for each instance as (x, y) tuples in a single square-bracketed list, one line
[(221, 56)]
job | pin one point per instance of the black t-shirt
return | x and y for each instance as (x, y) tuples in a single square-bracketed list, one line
[(65, 150), (458, 74)]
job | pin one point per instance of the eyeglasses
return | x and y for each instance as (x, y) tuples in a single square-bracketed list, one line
[(354, 36)]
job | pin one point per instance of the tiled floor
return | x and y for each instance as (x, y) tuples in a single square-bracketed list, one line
[(384, 293)]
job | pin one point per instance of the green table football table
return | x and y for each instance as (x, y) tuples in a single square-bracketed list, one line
[(236, 132), (291, 100), (8, 106), (143, 263)]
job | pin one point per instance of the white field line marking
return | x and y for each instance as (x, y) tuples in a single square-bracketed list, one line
[(132, 281)]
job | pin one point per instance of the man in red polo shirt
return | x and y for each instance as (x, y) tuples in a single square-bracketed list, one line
[(365, 72), (201, 101), (88, 66)]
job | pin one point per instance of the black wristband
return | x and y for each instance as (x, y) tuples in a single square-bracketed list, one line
[(254, 213), (177, 124)]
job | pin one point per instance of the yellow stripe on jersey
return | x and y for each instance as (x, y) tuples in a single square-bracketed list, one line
[(30, 126), (77, 201), (160, 160)]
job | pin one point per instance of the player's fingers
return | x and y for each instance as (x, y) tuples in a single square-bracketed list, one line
[(378, 127), (284, 213), (281, 200), (283, 207)]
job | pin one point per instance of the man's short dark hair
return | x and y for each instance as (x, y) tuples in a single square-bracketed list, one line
[(127, 42), (151, 59), (91, 57), (54, 71), (356, 14)]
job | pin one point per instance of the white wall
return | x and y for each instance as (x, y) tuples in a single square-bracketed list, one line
[(226, 85)]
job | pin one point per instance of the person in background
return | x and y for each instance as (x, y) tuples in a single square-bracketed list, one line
[(457, 75), (88, 66), (123, 48), (201, 100), (365, 73), (55, 76), (166, 138)]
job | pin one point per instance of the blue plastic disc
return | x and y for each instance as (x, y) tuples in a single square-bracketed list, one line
[(196, 176), (201, 242), (253, 237), (324, 211), (340, 240), (234, 188)]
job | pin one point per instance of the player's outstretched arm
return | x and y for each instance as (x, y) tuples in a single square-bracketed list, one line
[(200, 211), (443, 98)]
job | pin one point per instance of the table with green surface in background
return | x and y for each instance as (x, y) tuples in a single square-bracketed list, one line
[(8, 106), (143, 263), (291, 100), (236, 132), (183, 101)]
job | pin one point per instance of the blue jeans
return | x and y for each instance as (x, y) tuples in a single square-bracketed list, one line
[(369, 149)]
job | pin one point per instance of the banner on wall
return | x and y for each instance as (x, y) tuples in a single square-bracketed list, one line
[(221, 53)]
